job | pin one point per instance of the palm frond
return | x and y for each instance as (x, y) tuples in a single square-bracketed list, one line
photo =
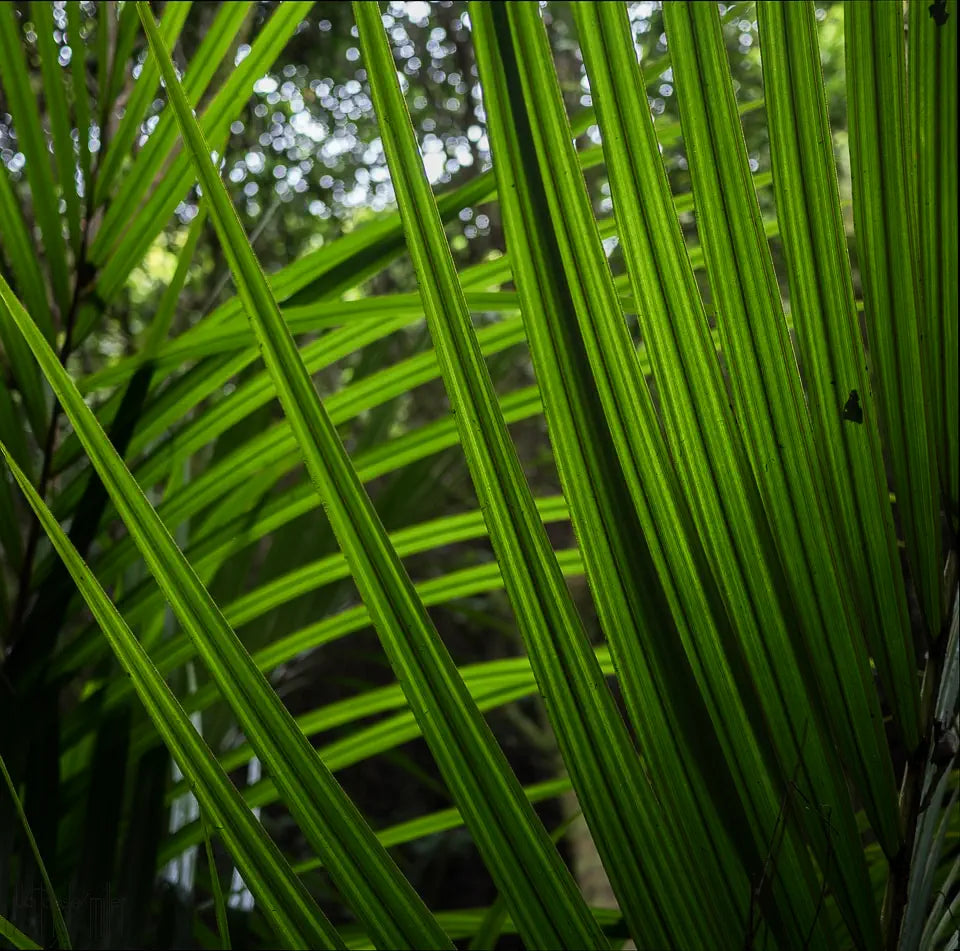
[(644, 506)]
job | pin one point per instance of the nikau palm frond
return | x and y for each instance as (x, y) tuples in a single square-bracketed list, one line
[(762, 490)]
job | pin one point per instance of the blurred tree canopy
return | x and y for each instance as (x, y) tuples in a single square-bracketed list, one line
[(305, 161)]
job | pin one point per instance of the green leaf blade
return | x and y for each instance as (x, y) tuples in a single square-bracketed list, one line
[(831, 347), (285, 900), (772, 413), (886, 232), (39, 172), (328, 817), (931, 68)]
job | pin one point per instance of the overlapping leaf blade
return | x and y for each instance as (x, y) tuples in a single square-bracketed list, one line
[(886, 240), (253, 605), (129, 228), (772, 413), (831, 348), (932, 106), (705, 585), (144, 91), (490, 692), (710, 465), (545, 264), (521, 548), (385, 901), (81, 95), (39, 171), (60, 122), (284, 899), (470, 761)]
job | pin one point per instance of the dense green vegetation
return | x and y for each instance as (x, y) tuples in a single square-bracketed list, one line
[(479, 473)]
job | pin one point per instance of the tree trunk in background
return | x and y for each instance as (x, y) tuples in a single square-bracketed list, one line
[(585, 860)]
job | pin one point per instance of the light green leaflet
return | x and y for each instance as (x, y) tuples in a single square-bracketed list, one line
[(506, 830), (329, 819), (16, 937), (283, 898), (59, 924)]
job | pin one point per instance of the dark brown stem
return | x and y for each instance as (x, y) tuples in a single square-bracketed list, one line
[(33, 536), (81, 280)]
